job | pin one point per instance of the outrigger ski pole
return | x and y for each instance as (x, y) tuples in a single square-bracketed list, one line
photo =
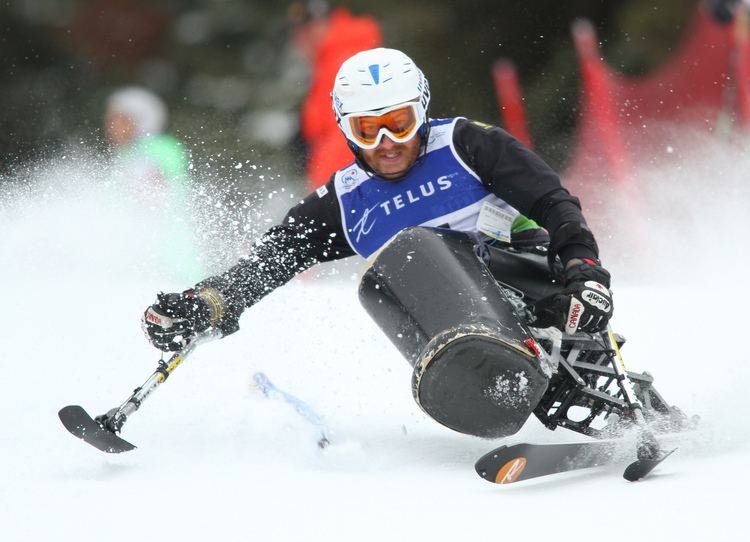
[(649, 452), (101, 432)]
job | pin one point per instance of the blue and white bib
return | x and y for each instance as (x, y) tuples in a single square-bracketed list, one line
[(440, 190)]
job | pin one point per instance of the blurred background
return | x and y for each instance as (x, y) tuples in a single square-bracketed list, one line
[(245, 83), (234, 81)]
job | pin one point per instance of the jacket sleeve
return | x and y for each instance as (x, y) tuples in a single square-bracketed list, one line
[(521, 178), (310, 233)]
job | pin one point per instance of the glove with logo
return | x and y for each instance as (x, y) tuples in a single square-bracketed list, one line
[(584, 305), (175, 318)]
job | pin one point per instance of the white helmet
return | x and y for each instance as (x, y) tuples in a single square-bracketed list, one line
[(145, 109), (376, 79)]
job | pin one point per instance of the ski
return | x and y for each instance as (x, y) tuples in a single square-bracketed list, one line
[(508, 464), (268, 389), (80, 424)]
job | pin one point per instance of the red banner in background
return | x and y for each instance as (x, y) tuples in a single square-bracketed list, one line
[(510, 98), (704, 88)]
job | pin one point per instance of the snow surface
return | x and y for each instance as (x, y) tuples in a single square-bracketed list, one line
[(217, 461)]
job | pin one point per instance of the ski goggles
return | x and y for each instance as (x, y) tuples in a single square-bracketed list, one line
[(399, 122)]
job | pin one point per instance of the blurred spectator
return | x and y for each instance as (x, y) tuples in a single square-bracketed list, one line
[(326, 38), (151, 169)]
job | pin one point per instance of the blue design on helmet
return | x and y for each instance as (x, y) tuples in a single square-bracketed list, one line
[(375, 72)]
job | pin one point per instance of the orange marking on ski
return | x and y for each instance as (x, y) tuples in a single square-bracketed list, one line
[(511, 471)]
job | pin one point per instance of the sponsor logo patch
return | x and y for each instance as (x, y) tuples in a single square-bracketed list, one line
[(596, 286), (574, 316), (349, 179), (152, 317), (365, 224), (598, 301), (322, 191), (409, 197), (172, 366), (510, 472), (337, 104)]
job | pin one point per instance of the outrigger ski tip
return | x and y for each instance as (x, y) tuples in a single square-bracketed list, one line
[(101, 432), (80, 424), (644, 465)]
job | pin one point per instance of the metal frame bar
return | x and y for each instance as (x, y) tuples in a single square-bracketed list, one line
[(587, 377)]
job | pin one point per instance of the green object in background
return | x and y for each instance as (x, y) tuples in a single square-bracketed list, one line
[(168, 154), (155, 167), (523, 223)]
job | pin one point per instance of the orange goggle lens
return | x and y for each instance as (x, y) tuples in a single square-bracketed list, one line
[(401, 123)]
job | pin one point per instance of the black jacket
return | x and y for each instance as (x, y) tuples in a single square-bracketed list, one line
[(312, 230)]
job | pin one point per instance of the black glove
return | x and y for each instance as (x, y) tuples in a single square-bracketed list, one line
[(584, 305), (175, 318)]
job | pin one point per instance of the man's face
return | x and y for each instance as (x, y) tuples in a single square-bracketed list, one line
[(391, 160)]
